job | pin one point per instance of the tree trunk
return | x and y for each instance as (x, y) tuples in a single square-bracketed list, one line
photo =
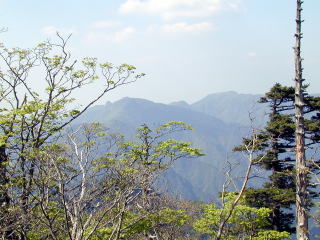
[(6, 224), (301, 175), (4, 198)]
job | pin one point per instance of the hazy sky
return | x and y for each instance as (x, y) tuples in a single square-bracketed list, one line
[(187, 48)]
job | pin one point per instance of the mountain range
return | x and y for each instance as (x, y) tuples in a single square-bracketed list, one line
[(219, 120)]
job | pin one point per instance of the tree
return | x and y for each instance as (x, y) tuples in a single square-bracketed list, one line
[(244, 223), (96, 185), (234, 219), (277, 142), (31, 119), (301, 168)]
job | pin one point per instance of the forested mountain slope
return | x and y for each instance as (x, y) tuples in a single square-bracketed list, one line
[(232, 107), (216, 132)]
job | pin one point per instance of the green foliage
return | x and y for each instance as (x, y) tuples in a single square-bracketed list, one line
[(272, 235), (245, 222), (116, 185), (30, 120), (150, 151), (164, 217), (52, 211)]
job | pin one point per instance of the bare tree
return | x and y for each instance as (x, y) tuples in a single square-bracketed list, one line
[(250, 148), (301, 168)]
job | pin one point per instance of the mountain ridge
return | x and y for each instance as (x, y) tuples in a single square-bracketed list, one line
[(196, 179)]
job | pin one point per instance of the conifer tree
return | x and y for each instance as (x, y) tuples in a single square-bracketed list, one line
[(277, 144)]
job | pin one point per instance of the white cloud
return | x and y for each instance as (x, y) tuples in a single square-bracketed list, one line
[(234, 4), (123, 34), (252, 54), (51, 30), (183, 27), (105, 24), (117, 36), (170, 9)]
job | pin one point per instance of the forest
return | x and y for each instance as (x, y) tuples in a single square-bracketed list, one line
[(63, 178)]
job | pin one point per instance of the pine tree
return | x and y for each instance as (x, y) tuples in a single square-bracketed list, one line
[(277, 145), (275, 142)]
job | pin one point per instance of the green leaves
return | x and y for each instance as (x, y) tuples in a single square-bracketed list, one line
[(32, 120), (175, 125), (79, 74), (106, 65), (165, 216), (272, 235), (54, 61), (245, 222), (89, 62), (127, 67), (152, 149)]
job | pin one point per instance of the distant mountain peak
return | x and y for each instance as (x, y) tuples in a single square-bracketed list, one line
[(183, 104), (231, 107), (226, 92), (229, 94), (130, 99)]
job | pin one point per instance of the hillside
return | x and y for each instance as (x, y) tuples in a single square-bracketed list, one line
[(197, 179)]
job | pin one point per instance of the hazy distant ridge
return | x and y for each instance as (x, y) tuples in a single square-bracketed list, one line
[(219, 121)]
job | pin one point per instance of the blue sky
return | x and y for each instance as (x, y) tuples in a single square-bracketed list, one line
[(187, 48)]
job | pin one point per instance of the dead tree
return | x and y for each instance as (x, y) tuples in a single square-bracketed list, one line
[(301, 169), (250, 150)]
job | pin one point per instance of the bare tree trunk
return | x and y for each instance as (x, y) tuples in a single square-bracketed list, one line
[(250, 148), (301, 175)]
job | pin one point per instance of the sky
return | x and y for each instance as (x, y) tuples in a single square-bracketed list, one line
[(187, 48)]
